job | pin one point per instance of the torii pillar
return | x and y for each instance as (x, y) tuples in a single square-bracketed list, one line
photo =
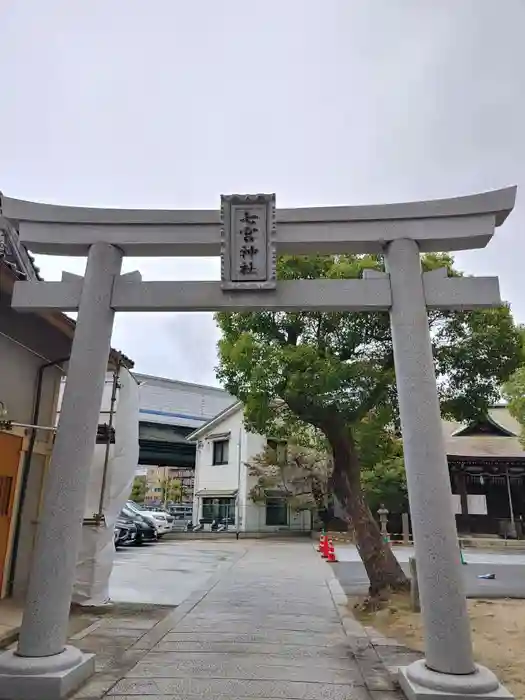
[(448, 669), (44, 667)]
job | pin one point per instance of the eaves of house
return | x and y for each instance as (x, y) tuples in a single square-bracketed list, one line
[(215, 421)]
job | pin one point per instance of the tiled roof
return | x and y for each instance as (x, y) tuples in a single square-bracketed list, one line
[(14, 254), (485, 445)]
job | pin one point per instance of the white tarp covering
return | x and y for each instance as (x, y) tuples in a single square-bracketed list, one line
[(97, 551)]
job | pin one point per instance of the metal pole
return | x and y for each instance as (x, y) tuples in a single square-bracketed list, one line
[(46, 615), (114, 388), (34, 427), (237, 500)]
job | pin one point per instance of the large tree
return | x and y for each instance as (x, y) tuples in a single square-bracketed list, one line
[(514, 391), (335, 372)]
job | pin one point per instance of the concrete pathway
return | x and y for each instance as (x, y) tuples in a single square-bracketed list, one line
[(269, 626), (167, 572)]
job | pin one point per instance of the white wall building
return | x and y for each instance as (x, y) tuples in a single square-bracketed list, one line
[(223, 484)]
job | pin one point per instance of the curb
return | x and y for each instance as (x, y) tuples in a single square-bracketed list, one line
[(352, 627), (363, 645)]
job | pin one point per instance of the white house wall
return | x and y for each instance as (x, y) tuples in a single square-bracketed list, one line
[(220, 476), (243, 446), (254, 515)]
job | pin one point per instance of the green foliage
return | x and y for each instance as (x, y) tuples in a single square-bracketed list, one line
[(138, 490), (311, 377), (514, 392), (385, 483), (324, 365), (383, 477), (376, 439), (476, 352), (172, 490)]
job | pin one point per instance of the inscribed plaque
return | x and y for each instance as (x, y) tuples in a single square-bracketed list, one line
[(248, 241)]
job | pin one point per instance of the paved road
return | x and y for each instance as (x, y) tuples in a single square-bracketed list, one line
[(267, 629), (167, 572), (509, 569)]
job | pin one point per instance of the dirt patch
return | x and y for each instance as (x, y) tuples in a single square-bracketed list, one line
[(498, 633)]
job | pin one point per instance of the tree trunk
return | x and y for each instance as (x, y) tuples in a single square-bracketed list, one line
[(383, 569)]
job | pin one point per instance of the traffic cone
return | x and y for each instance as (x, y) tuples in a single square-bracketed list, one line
[(324, 550), (321, 542), (331, 552)]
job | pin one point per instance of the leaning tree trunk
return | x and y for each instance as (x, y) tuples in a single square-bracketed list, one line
[(383, 569)]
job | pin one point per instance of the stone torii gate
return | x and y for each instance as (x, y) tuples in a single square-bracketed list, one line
[(248, 233)]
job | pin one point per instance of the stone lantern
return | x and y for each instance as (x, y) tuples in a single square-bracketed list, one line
[(383, 521)]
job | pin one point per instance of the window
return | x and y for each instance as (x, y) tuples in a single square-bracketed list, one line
[(276, 511), (280, 448), (218, 509), (220, 452)]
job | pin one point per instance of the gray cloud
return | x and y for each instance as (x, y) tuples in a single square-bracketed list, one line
[(168, 104)]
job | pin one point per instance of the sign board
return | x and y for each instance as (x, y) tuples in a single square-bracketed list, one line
[(248, 253), (477, 504)]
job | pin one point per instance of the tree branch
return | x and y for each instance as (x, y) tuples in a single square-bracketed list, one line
[(381, 386), (307, 410)]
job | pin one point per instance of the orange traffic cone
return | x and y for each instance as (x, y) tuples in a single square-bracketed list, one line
[(322, 539), (331, 552)]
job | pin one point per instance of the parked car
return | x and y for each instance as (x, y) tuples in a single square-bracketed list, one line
[(162, 510), (154, 509), (163, 526), (146, 530), (125, 532), (146, 515), (160, 518)]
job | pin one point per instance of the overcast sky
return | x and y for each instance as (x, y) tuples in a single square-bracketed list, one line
[(168, 104)]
